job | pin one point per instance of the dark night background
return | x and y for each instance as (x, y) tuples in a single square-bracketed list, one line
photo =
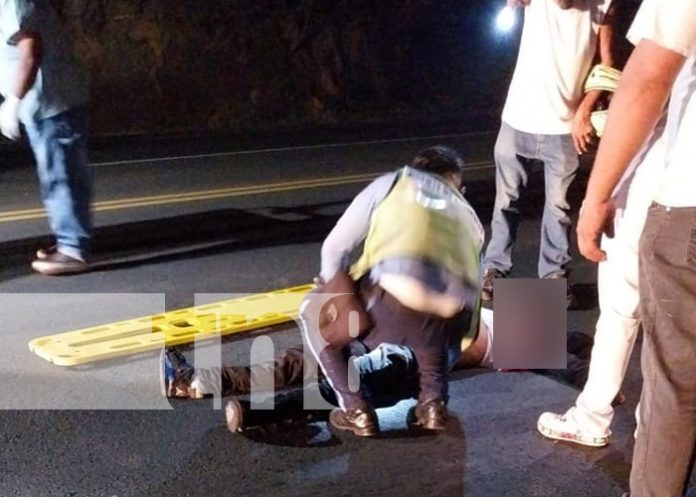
[(247, 65)]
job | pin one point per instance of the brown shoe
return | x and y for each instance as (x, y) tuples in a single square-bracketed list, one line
[(58, 263), (362, 422), (234, 414), (431, 415)]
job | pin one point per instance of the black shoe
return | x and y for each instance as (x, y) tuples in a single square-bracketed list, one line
[(570, 296), (288, 410), (431, 415), (571, 301), (489, 275), (362, 422)]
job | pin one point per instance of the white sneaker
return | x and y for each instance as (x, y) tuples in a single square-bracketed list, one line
[(564, 427)]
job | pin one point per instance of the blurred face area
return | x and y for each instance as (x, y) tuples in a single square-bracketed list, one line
[(456, 180)]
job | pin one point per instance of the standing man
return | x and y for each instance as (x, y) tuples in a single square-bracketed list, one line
[(588, 421), (546, 118), (44, 89), (664, 62)]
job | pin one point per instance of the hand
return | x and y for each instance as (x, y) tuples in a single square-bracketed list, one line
[(9, 117), (582, 131), (518, 3), (596, 218)]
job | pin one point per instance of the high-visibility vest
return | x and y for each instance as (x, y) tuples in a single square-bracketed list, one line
[(425, 218)]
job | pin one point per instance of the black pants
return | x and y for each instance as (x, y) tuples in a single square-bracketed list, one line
[(287, 369)]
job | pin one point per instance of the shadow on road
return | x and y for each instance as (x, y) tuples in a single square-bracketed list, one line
[(228, 464), (169, 239)]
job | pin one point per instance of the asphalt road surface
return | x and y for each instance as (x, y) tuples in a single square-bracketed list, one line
[(175, 223)]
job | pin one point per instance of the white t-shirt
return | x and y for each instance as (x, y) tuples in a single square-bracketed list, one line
[(555, 57), (672, 25)]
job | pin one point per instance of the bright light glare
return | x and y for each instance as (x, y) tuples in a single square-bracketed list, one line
[(506, 19)]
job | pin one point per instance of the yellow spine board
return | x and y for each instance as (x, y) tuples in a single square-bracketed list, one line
[(180, 327), (603, 78)]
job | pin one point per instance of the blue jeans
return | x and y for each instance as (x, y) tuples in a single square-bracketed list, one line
[(513, 150), (59, 144), (388, 374)]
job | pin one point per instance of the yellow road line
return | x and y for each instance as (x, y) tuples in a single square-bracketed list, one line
[(178, 198)]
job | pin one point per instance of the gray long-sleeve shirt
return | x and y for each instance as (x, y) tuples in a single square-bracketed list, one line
[(351, 229)]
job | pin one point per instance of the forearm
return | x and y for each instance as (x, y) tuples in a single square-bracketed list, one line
[(605, 52), (30, 51), (588, 102), (605, 49), (629, 124)]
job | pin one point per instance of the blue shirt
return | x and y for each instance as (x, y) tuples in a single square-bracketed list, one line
[(60, 83)]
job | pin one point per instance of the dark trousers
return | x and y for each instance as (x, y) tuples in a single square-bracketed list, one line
[(426, 335), (388, 374), (287, 369), (667, 426)]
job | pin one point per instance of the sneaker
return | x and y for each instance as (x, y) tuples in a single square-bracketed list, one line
[(362, 422), (431, 415), (489, 275), (564, 427), (57, 263), (176, 375)]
